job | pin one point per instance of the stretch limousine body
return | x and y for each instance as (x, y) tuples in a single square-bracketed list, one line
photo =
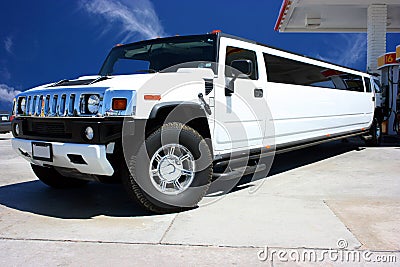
[(167, 116)]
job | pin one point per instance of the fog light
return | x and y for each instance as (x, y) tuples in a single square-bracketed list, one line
[(89, 133), (16, 129)]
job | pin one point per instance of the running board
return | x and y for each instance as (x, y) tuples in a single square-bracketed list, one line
[(366, 137), (239, 172)]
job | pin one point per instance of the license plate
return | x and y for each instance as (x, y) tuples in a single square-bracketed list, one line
[(4, 118), (42, 151)]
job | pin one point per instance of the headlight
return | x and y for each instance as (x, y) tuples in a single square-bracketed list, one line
[(93, 104)]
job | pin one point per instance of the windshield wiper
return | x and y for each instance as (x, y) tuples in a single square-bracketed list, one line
[(99, 79), (146, 71), (59, 83)]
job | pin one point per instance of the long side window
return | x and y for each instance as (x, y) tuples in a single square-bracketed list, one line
[(353, 82), (234, 53), (284, 70)]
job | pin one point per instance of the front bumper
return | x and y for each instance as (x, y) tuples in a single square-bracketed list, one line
[(69, 130), (94, 156)]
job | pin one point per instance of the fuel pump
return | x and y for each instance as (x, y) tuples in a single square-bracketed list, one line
[(397, 122), (389, 68)]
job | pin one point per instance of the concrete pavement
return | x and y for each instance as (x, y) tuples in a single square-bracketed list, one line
[(312, 199)]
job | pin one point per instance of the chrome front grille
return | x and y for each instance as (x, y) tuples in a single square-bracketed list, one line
[(56, 102)]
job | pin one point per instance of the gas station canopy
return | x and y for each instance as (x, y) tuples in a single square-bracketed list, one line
[(398, 53), (334, 15), (376, 17)]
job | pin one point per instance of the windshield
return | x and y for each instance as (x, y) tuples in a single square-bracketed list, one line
[(162, 54)]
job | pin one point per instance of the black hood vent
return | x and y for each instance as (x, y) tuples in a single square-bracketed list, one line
[(79, 82), (72, 82)]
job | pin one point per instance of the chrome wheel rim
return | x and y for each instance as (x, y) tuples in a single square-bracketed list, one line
[(172, 169)]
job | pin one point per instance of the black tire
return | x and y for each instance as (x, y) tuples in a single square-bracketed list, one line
[(138, 181), (376, 133), (52, 178)]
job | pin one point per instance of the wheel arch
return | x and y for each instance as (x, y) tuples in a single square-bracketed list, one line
[(189, 113)]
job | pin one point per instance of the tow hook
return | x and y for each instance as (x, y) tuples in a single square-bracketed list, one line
[(24, 153)]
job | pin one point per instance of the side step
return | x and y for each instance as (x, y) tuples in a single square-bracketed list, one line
[(366, 137), (239, 172)]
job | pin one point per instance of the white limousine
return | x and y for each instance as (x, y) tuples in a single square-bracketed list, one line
[(167, 117)]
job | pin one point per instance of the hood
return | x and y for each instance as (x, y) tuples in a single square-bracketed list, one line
[(126, 82), (95, 81), (70, 97)]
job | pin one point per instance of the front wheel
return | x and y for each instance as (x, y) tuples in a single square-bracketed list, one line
[(171, 171), (375, 133), (52, 178)]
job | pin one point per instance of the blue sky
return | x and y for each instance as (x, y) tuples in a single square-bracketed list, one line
[(46, 40)]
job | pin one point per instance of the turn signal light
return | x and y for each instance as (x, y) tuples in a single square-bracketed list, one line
[(119, 103), (152, 97)]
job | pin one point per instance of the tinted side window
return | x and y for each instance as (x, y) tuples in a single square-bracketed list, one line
[(353, 82), (234, 53), (368, 84), (284, 70)]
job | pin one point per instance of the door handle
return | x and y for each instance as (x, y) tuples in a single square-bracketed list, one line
[(258, 93)]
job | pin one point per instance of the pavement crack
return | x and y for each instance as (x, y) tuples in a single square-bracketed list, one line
[(174, 244), (169, 227), (75, 241), (348, 229)]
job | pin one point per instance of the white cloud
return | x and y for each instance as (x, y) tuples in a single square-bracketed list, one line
[(355, 50), (347, 50), (8, 44), (7, 93), (136, 18)]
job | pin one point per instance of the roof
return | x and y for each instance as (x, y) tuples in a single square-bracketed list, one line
[(222, 34), (333, 15)]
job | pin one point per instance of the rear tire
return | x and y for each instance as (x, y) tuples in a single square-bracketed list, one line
[(376, 132), (171, 172), (52, 178)]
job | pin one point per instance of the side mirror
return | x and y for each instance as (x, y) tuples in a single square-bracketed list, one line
[(240, 68), (229, 88), (244, 66)]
